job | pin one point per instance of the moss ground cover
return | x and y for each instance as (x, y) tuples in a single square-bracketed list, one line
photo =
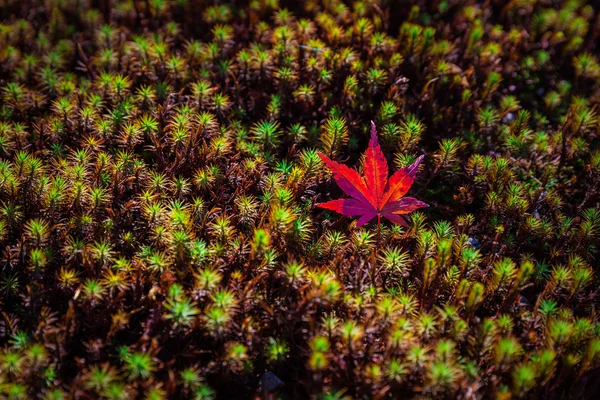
[(160, 166)]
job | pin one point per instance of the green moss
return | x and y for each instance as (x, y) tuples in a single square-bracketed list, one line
[(159, 167)]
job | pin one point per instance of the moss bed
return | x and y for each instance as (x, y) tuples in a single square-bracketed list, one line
[(160, 170)]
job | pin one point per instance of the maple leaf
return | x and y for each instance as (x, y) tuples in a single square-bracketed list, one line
[(374, 195)]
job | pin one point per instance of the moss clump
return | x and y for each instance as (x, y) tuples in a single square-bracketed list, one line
[(159, 170)]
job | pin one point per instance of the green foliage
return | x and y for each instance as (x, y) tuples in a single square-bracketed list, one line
[(158, 174)]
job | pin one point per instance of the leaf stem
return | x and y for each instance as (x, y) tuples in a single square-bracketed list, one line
[(378, 229), (374, 256)]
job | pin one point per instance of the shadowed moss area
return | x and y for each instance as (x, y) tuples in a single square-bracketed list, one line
[(160, 166)]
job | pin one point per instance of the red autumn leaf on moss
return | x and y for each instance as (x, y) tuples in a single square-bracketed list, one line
[(374, 195)]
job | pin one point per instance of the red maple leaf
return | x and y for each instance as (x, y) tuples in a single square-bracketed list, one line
[(374, 195)]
